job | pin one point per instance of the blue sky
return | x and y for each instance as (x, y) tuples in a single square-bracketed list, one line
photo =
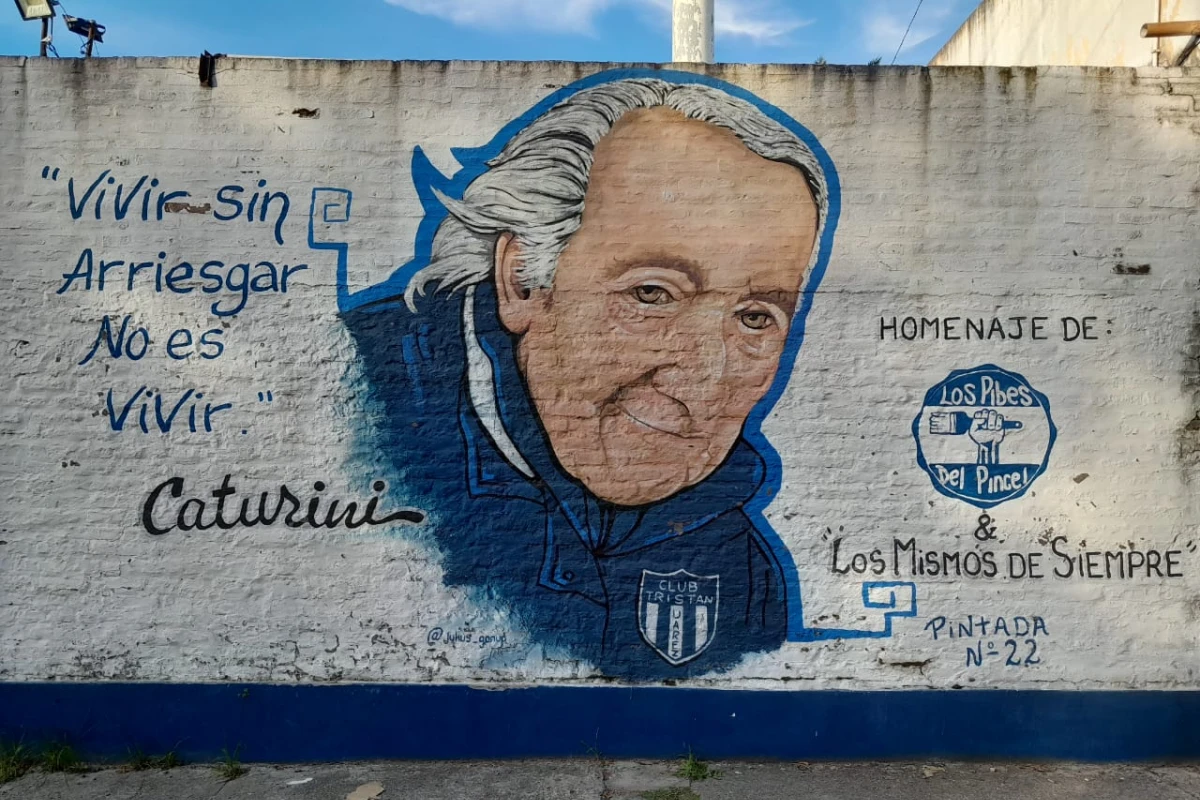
[(842, 31)]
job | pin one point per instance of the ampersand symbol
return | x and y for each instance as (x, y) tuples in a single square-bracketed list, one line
[(983, 533)]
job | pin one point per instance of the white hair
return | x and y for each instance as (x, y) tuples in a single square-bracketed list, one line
[(535, 187)]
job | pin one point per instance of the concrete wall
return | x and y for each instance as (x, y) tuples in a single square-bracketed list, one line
[(978, 470), (1095, 33)]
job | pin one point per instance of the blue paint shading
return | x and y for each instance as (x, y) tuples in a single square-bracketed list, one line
[(569, 569), (356, 722), (769, 599)]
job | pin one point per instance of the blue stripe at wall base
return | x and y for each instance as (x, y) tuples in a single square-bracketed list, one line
[(271, 722)]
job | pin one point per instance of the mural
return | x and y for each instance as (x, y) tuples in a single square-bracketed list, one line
[(612, 304), (629, 382)]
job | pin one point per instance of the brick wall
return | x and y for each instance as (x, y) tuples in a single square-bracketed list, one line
[(969, 199)]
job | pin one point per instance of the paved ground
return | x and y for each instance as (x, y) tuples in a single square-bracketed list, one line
[(620, 780)]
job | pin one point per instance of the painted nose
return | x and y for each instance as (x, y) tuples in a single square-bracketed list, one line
[(693, 371)]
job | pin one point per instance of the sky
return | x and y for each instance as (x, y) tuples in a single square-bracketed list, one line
[(793, 31)]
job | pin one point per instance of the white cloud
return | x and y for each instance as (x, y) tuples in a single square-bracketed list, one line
[(759, 22), (546, 15), (762, 21), (884, 29)]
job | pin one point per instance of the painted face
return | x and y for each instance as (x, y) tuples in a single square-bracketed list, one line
[(669, 309)]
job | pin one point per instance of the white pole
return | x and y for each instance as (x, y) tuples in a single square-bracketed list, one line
[(692, 31)]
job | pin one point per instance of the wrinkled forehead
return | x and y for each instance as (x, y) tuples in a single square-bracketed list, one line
[(666, 189), (661, 137)]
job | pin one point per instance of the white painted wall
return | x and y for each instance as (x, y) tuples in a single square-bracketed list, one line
[(966, 193), (1091, 33)]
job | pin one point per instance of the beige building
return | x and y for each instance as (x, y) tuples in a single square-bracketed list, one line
[(1096, 33)]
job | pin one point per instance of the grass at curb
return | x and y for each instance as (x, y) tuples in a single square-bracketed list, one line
[(18, 759), (229, 768), (15, 761), (693, 769), (60, 757), (140, 761), (674, 793)]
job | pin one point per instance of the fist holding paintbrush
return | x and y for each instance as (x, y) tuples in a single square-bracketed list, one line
[(987, 428)]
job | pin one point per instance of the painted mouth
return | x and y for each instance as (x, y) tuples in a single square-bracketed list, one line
[(658, 412)]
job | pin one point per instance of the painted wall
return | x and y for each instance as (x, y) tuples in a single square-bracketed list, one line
[(874, 380), (1092, 33)]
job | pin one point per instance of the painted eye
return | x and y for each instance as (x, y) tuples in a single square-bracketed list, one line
[(757, 320), (651, 295)]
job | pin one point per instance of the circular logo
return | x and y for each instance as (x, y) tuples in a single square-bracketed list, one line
[(984, 435)]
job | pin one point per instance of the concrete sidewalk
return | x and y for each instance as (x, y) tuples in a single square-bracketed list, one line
[(619, 780)]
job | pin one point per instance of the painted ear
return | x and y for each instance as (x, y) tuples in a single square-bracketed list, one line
[(518, 305)]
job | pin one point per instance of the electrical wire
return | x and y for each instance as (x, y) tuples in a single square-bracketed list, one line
[(82, 38), (906, 30), (50, 48)]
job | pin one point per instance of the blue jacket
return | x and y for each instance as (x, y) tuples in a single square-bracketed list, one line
[(673, 589)]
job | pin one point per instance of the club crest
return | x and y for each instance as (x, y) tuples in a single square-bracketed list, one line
[(677, 613)]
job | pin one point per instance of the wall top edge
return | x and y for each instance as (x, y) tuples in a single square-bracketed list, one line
[(149, 62)]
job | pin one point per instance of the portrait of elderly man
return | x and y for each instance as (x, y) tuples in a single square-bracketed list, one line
[(564, 385)]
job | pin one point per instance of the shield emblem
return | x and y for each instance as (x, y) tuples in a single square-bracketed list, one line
[(677, 613)]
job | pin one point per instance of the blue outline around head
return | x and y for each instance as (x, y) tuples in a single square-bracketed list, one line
[(932, 395), (426, 178)]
